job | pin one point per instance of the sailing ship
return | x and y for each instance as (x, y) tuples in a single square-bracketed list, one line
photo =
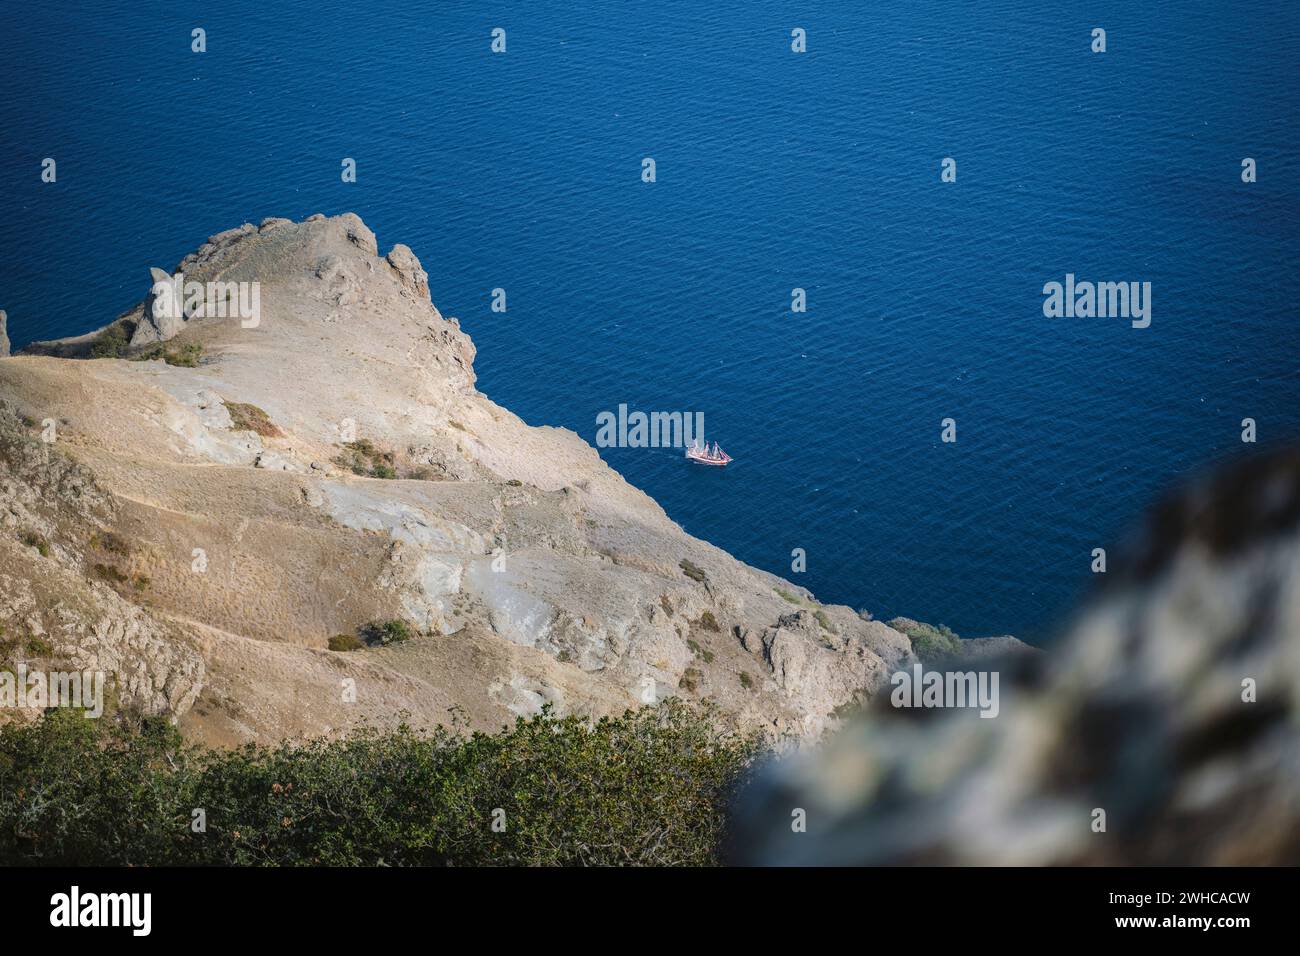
[(705, 455)]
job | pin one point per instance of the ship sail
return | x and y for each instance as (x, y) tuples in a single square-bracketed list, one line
[(706, 455)]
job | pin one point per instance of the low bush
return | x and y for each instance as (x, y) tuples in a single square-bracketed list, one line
[(34, 540), (787, 596), (649, 787), (111, 343), (187, 356), (930, 643), (694, 572), (39, 647), (387, 632), (362, 457)]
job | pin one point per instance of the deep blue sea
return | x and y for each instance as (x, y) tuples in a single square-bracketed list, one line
[(774, 170)]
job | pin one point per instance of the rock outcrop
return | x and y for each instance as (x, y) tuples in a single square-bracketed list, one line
[(1161, 730), (274, 484), (4, 334), (162, 316)]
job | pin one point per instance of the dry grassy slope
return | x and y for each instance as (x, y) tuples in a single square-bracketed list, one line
[(588, 607)]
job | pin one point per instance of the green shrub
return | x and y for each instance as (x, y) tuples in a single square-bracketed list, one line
[(709, 622), (793, 599), (186, 356), (387, 632), (345, 642), (703, 652), (111, 343), (746, 681), (824, 621), (647, 788), (693, 572), (361, 457), (929, 643), (37, 541)]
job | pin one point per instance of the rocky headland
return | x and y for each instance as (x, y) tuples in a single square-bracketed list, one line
[(286, 526)]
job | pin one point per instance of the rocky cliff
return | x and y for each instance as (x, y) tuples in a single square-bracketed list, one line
[(202, 501)]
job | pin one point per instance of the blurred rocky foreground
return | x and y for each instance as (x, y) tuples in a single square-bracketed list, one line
[(1141, 710)]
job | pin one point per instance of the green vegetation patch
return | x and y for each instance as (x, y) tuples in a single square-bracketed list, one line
[(37, 541), (362, 457), (383, 633), (187, 356), (29, 646), (703, 653), (694, 572), (792, 598), (930, 643), (647, 788), (111, 343)]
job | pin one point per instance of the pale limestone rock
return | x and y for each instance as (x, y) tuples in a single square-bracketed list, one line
[(412, 276), (530, 566), (163, 316)]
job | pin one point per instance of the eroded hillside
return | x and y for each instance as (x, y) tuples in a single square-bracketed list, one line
[(205, 511)]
